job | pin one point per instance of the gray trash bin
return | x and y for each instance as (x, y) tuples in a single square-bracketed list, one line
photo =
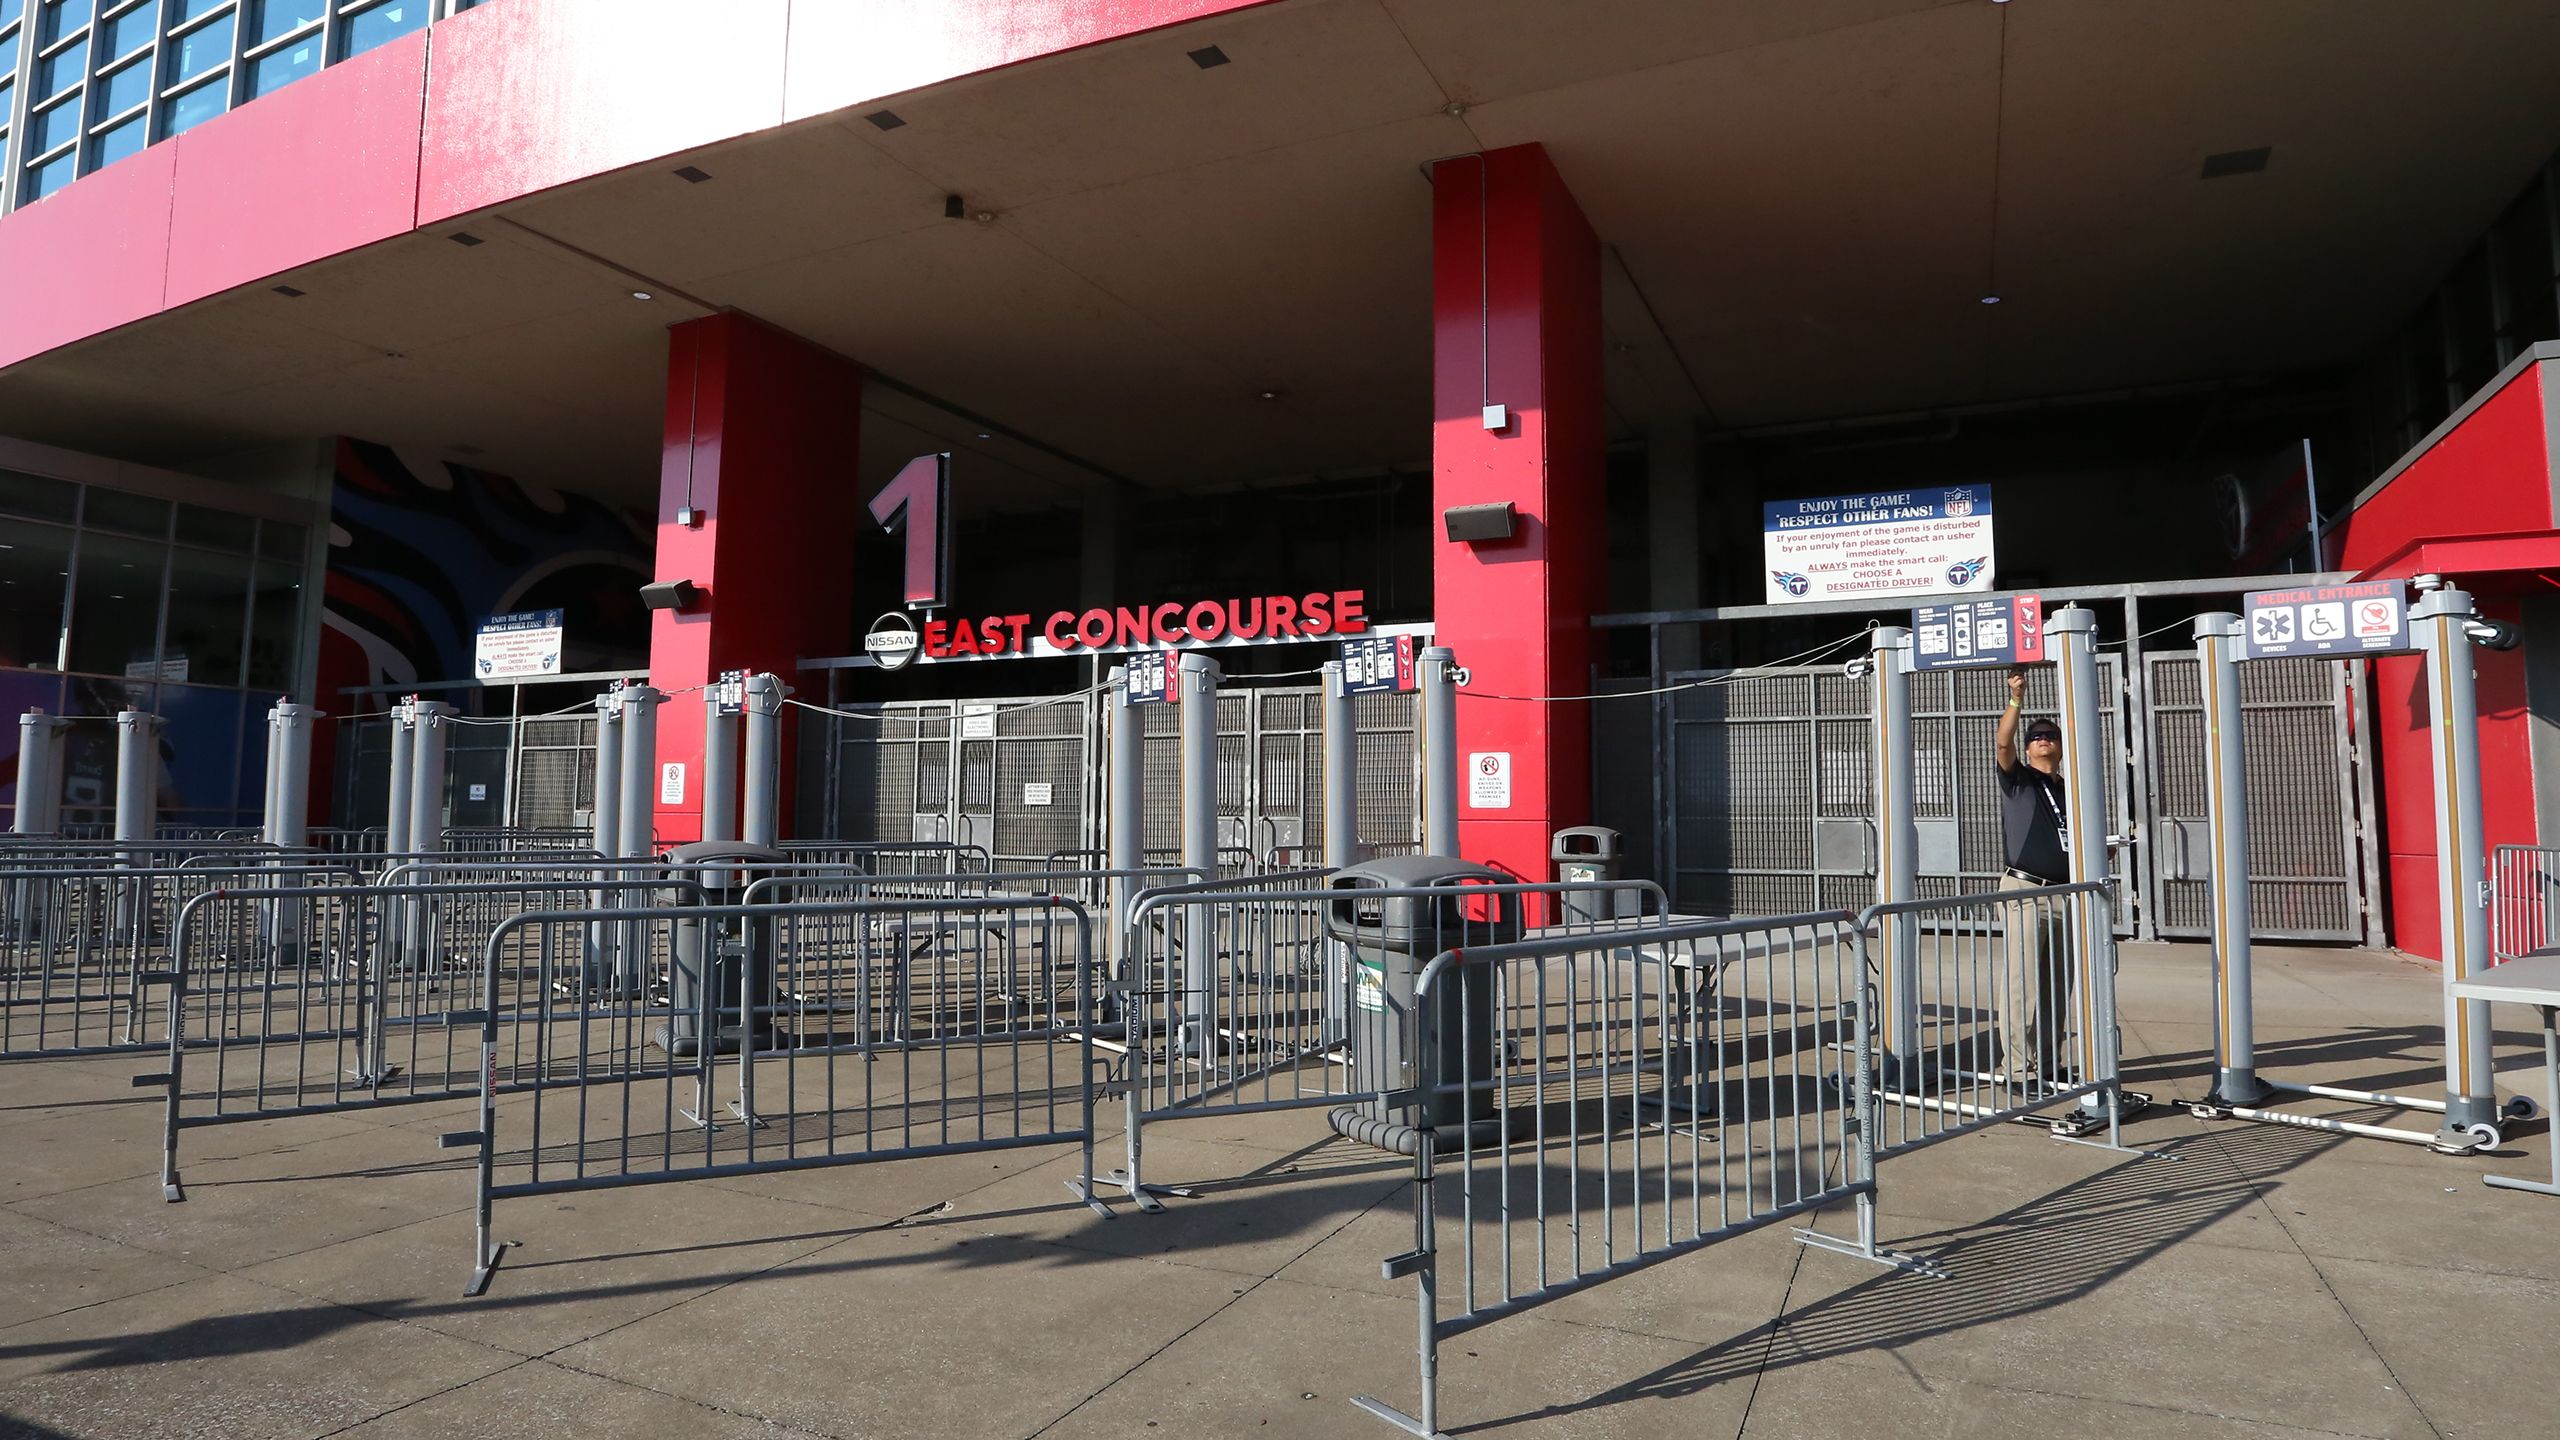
[(1585, 855), (730, 958), (1387, 941)]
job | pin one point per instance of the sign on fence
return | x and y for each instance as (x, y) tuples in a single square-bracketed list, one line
[(1868, 547), (2007, 630), (2369, 618), (1377, 664), (1151, 677), (512, 646)]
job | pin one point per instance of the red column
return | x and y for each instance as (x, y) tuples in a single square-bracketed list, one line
[(1515, 312), (761, 437)]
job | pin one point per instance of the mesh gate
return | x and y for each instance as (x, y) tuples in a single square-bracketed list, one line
[(2300, 752), (555, 773), (1770, 806), (537, 772)]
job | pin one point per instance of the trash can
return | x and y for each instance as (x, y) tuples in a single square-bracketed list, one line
[(1387, 941), (722, 972), (1587, 855)]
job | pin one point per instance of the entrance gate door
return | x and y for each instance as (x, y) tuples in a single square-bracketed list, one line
[(1770, 806), (2303, 758)]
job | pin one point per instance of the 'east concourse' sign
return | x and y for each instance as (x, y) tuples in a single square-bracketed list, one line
[(1931, 541)]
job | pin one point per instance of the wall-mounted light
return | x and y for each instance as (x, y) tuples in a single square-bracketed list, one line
[(677, 595), (1478, 524)]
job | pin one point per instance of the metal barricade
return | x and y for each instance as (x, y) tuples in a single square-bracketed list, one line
[(1616, 1100), (312, 999), (79, 948), (857, 1032), (1269, 1015), (1993, 1008), (893, 857), (2524, 901)]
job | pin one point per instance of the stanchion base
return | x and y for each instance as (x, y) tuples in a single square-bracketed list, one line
[(1092, 1201), (480, 1273), (2510, 1182), (1148, 1197), (1397, 1418), (1890, 1259)]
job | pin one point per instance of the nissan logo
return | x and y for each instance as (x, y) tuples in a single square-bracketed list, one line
[(891, 642)]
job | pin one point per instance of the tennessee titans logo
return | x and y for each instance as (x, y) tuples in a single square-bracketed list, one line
[(1791, 582), (1965, 572)]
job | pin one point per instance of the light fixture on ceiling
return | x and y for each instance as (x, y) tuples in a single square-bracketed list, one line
[(692, 174), (465, 239), (1208, 57), (954, 208), (1270, 393), (1990, 299), (289, 292), (2236, 162), (642, 295), (986, 435), (884, 119)]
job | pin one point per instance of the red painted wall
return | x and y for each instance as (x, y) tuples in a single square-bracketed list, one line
[(497, 103), (761, 433), (2489, 475), (1515, 299)]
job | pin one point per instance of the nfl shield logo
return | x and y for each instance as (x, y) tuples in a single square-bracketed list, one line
[(1959, 503)]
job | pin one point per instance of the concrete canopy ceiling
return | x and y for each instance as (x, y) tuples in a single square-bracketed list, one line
[(1805, 203)]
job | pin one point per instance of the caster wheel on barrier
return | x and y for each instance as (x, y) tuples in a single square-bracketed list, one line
[(2520, 1107), (2477, 1138)]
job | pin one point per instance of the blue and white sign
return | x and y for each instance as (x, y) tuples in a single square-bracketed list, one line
[(1151, 674), (511, 647), (2008, 630), (2369, 617), (1377, 664), (1933, 541)]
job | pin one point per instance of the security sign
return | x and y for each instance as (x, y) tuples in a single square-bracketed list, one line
[(2369, 618), (1377, 664), (2002, 630), (1151, 676)]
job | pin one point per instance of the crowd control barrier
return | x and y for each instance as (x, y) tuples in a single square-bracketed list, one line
[(857, 1032), (2524, 901)]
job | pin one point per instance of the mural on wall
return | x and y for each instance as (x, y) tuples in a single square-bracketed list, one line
[(421, 551)]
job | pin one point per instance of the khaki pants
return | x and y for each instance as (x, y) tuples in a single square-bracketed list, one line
[(2032, 982)]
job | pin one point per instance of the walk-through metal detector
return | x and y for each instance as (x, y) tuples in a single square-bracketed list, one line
[(2070, 638), (2444, 626)]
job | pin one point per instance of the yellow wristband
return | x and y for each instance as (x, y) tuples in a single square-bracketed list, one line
[(2013, 704)]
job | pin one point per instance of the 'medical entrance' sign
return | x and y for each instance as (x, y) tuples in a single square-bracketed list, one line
[(2370, 618), (1887, 542)]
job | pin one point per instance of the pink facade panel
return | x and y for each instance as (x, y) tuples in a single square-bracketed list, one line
[(845, 55), (323, 165), (90, 258), (536, 93)]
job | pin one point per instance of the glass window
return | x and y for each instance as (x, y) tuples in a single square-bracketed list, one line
[(9, 53), (48, 128), (201, 753), (60, 18), (208, 614), (125, 139), (132, 514), (280, 540), (278, 68), (182, 11), (35, 561), (115, 605), (215, 529), (11, 10), (131, 30), (388, 20), (196, 106), (121, 90), (38, 497), (52, 175), (275, 19), (275, 634), (62, 69), (200, 50)]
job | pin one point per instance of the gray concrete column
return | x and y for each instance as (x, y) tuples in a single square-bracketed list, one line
[(2219, 643), (720, 756), (289, 790), (433, 738), (2440, 622), (762, 822), (39, 810), (1433, 672), (137, 775), (1341, 771), (639, 768)]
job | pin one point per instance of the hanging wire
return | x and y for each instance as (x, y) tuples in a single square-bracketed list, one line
[(881, 716), (1803, 657)]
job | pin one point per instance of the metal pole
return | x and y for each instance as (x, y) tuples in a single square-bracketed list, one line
[(2441, 620), (137, 775), (606, 815), (762, 824), (289, 819), (2218, 647), (404, 755), (39, 809), (2071, 636), (1199, 677), (1897, 838), (639, 768), (720, 758), (1124, 823), (267, 806), (1341, 771), (434, 734), (1433, 675)]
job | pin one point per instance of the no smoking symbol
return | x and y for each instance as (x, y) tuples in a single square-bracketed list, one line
[(2377, 614), (1490, 765)]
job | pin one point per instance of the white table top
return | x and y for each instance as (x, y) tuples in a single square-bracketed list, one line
[(2531, 980)]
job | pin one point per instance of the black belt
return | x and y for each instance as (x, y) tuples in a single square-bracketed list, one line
[(2012, 870)]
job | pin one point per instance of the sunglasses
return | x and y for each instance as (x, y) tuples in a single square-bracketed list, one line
[(2055, 736)]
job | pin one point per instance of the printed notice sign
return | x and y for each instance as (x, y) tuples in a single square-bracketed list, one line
[(1377, 664), (1888, 542), (2368, 618), (1489, 780), (977, 722), (2008, 630), (1151, 678), (671, 783), (1038, 792), (510, 647)]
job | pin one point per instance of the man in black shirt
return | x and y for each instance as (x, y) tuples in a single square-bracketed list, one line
[(2032, 989)]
